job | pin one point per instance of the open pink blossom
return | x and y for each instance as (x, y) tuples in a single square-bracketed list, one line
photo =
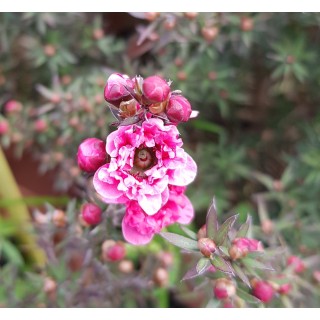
[(144, 161), (139, 228)]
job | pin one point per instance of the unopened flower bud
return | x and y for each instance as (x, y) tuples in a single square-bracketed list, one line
[(246, 24), (126, 266), (91, 213), (91, 154), (98, 34), (298, 264), (224, 288), (207, 246), (49, 286), (113, 251), (40, 125), (182, 75), (49, 50), (155, 89), (267, 226), (59, 218), (178, 109), (161, 277), (209, 33), (262, 290), (285, 288), (242, 246), (117, 88), (4, 126), (13, 106), (166, 258), (202, 233)]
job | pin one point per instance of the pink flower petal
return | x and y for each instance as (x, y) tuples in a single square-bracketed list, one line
[(106, 185), (186, 212), (150, 204), (133, 236), (184, 175)]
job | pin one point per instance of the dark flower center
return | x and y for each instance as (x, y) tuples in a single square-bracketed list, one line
[(144, 159)]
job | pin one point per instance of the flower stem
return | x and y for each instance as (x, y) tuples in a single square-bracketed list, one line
[(18, 213)]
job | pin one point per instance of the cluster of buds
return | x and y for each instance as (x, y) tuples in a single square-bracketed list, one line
[(242, 246), (138, 97)]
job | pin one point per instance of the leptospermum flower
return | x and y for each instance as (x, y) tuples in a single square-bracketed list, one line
[(139, 228), (144, 160)]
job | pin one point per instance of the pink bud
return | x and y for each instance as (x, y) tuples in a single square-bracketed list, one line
[(224, 288), (116, 89), (4, 126), (91, 213), (40, 125), (113, 251), (206, 246), (155, 89), (13, 106), (285, 288), (91, 154), (242, 246), (178, 109), (298, 264), (262, 290)]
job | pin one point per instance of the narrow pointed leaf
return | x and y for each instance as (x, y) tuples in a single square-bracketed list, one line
[(253, 263), (247, 296), (201, 267), (222, 265), (241, 274), (129, 121), (180, 241), (212, 220), (224, 230), (114, 111), (189, 233), (243, 230), (224, 250)]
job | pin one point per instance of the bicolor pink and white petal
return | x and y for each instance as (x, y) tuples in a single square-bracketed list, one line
[(144, 161), (138, 227)]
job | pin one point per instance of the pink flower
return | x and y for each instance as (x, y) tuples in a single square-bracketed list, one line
[(139, 228), (144, 161), (116, 89), (155, 89), (178, 109), (91, 154)]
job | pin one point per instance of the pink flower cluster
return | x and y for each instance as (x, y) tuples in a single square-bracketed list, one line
[(143, 164)]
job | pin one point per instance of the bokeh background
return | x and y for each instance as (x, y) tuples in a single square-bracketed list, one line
[(255, 79)]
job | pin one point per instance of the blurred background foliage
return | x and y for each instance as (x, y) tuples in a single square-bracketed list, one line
[(254, 77)]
